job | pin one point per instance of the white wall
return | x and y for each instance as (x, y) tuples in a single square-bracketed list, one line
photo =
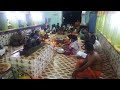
[(83, 19), (87, 17), (56, 16)]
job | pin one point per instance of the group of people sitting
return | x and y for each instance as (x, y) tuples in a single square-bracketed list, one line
[(69, 28), (54, 28), (63, 28), (88, 67)]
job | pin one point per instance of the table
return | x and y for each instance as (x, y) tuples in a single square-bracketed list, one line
[(34, 64)]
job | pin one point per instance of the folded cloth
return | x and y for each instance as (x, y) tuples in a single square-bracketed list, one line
[(82, 54), (2, 51), (97, 46)]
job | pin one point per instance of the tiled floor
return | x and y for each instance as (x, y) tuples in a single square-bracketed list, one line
[(62, 67), (108, 72)]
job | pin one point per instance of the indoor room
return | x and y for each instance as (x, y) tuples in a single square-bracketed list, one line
[(59, 45)]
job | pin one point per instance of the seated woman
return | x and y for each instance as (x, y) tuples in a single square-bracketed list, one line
[(90, 67), (89, 37), (67, 40), (42, 33), (86, 39), (73, 47), (74, 33), (64, 43), (92, 38), (83, 33)]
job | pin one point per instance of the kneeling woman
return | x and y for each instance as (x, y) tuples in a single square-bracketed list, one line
[(73, 47)]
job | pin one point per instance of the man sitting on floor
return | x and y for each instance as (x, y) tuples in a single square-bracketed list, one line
[(90, 67)]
